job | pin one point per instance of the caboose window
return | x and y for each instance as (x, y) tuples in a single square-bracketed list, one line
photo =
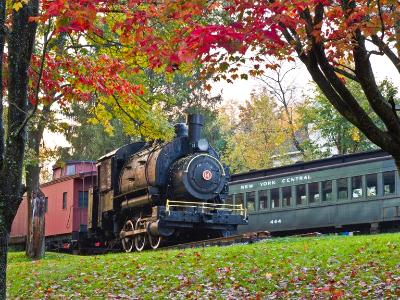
[(327, 190), (274, 198), (70, 170), (342, 189), (64, 201), (301, 194), (83, 199), (250, 200), (372, 185), (46, 204), (263, 199), (286, 196), (388, 183), (239, 199), (356, 187), (313, 192)]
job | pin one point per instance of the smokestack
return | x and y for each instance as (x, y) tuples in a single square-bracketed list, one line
[(195, 123)]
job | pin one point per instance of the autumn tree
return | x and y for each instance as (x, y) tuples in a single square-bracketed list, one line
[(335, 40), (72, 74), (258, 135), (20, 40)]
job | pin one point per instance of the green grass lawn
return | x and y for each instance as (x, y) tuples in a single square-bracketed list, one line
[(317, 267)]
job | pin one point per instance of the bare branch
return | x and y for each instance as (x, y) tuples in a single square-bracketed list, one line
[(346, 74)]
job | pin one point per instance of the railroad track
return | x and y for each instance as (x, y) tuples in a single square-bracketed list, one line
[(249, 237)]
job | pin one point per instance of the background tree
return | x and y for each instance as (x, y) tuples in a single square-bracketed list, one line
[(89, 141), (282, 88), (258, 135), (332, 132)]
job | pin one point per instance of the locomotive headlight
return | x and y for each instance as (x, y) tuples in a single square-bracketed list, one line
[(202, 145)]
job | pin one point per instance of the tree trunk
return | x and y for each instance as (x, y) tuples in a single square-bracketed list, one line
[(3, 258), (295, 140), (21, 40), (35, 238), (35, 234)]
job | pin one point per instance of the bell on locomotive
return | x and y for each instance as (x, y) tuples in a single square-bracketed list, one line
[(170, 191)]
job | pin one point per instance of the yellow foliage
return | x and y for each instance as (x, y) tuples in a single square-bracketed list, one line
[(355, 135), (17, 5)]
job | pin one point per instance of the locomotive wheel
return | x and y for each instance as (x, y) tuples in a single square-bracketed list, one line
[(140, 239), (154, 241), (127, 243)]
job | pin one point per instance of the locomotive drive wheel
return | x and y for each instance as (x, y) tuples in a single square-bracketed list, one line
[(154, 241), (127, 243), (140, 239)]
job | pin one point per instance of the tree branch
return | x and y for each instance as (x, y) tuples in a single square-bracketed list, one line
[(366, 76), (388, 52)]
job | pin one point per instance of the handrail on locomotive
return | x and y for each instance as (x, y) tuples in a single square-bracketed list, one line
[(206, 207)]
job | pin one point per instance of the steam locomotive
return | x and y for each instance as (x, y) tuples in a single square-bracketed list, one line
[(162, 192)]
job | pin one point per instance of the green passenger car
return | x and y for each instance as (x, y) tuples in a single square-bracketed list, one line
[(342, 193)]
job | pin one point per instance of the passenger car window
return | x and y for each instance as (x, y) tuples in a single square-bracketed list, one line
[(274, 198), (327, 190), (388, 183), (342, 191), (239, 199), (286, 196), (372, 185), (263, 199), (356, 187), (229, 199), (300, 194), (250, 200), (313, 192)]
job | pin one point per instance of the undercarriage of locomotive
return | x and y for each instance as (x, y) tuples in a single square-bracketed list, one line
[(178, 222)]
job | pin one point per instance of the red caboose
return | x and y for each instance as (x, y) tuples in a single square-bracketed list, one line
[(66, 204)]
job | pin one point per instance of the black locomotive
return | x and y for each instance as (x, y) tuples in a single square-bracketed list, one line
[(149, 193)]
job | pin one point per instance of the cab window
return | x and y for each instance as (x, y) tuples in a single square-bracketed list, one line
[(250, 200), (274, 198)]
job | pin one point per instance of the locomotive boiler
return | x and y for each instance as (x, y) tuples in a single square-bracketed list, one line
[(157, 192)]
